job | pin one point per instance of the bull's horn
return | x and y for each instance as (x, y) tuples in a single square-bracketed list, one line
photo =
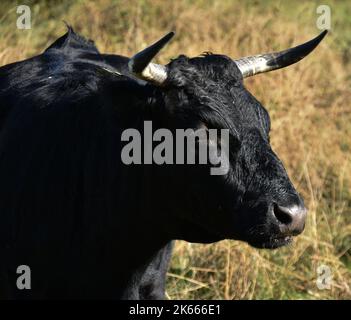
[(142, 67), (249, 66)]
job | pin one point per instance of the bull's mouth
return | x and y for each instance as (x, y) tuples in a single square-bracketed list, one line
[(272, 243), (200, 234)]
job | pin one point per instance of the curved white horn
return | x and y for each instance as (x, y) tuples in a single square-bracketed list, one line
[(142, 67), (249, 66)]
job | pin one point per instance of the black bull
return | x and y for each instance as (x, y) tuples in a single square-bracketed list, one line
[(89, 226)]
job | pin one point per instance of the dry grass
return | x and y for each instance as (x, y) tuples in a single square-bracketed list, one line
[(311, 119)]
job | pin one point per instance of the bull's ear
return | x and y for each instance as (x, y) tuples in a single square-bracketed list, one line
[(249, 66), (142, 67)]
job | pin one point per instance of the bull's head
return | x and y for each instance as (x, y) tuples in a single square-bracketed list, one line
[(255, 201)]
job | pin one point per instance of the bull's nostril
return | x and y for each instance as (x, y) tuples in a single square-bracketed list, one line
[(291, 219), (282, 214)]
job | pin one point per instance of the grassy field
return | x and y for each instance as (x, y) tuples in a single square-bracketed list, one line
[(309, 104)]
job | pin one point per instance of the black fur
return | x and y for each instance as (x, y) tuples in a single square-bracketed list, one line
[(91, 227)]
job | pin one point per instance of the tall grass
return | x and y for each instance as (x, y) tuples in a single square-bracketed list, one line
[(309, 104)]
